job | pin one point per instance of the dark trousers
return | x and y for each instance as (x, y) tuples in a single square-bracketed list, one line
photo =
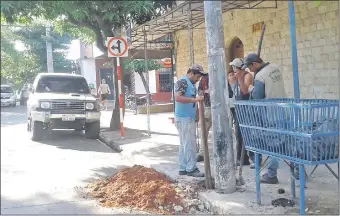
[(239, 140)]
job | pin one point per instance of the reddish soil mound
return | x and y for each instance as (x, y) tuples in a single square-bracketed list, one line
[(137, 187)]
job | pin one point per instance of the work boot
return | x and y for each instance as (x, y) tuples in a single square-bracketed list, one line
[(252, 165), (245, 163), (195, 173), (296, 174), (199, 158), (182, 172), (266, 179)]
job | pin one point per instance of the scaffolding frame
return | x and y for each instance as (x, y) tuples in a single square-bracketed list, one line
[(177, 19)]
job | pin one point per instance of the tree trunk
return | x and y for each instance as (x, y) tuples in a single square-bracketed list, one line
[(144, 82), (115, 119)]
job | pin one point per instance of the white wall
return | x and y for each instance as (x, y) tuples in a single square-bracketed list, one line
[(88, 70), (152, 83)]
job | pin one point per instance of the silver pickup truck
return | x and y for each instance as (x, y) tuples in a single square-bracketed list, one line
[(62, 101)]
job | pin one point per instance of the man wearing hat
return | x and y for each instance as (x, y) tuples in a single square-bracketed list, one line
[(268, 83), (203, 89), (243, 80), (186, 116)]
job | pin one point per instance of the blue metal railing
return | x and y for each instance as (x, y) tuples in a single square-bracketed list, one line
[(305, 131)]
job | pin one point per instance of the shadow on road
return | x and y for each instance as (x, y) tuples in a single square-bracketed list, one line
[(13, 115), (104, 172), (74, 140), (47, 204)]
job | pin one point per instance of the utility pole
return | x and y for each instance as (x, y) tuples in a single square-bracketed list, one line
[(225, 179), (49, 50)]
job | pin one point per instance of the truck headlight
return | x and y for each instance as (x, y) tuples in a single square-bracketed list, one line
[(45, 105), (89, 106)]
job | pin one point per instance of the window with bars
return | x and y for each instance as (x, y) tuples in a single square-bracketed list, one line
[(166, 80)]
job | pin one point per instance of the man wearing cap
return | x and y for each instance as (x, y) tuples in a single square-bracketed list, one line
[(186, 116), (243, 80), (268, 83), (203, 89)]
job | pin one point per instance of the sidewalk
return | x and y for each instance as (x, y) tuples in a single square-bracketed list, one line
[(160, 152)]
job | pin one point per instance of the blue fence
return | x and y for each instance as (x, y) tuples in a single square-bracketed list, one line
[(305, 131)]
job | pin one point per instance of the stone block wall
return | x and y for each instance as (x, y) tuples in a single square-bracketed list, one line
[(317, 34)]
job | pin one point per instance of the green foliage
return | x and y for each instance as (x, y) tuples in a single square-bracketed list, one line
[(91, 21), (34, 38), (19, 67), (138, 65)]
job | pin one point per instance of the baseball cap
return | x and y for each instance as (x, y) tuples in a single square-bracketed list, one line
[(250, 58), (198, 68), (237, 63)]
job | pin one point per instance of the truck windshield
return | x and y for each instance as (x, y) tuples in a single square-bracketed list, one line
[(6, 89), (63, 85)]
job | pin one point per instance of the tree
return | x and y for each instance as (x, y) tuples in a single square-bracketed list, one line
[(19, 67), (34, 38), (16, 67), (88, 20)]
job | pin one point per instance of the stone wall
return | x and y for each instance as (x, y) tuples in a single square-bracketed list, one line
[(317, 32)]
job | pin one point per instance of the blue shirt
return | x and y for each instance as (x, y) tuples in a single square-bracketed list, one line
[(187, 89)]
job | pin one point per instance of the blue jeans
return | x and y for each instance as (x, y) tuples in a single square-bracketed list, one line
[(186, 128), (272, 167)]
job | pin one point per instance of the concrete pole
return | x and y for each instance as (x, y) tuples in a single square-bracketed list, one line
[(225, 179), (147, 81), (49, 51)]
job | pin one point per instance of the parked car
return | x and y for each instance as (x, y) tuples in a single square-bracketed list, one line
[(8, 96), (62, 101)]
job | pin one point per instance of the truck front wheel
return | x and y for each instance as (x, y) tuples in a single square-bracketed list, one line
[(37, 130), (92, 130)]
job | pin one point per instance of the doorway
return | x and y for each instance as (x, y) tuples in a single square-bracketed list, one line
[(234, 49), (107, 74)]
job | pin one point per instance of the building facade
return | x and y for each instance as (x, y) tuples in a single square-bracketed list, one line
[(317, 35)]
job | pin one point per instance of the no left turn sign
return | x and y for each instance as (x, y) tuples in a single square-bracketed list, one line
[(117, 47)]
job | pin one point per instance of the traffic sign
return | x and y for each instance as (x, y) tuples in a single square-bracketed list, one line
[(117, 47)]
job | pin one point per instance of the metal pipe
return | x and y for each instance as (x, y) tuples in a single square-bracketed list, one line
[(190, 37), (293, 49), (147, 82), (291, 17), (225, 179), (173, 76), (259, 46)]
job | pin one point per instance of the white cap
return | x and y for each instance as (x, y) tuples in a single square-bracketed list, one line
[(237, 63)]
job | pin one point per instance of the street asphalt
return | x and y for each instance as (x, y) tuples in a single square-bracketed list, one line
[(45, 177)]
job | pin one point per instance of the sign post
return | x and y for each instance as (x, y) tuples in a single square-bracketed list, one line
[(118, 47)]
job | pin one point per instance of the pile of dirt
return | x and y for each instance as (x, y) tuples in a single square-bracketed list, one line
[(138, 187)]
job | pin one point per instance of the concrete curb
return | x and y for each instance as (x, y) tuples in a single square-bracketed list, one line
[(217, 204), (112, 145), (233, 204)]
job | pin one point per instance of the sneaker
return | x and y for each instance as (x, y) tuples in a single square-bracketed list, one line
[(200, 158), (195, 173), (269, 180), (182, 172)]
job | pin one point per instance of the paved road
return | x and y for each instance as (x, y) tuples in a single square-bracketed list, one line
[(43, 177)]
